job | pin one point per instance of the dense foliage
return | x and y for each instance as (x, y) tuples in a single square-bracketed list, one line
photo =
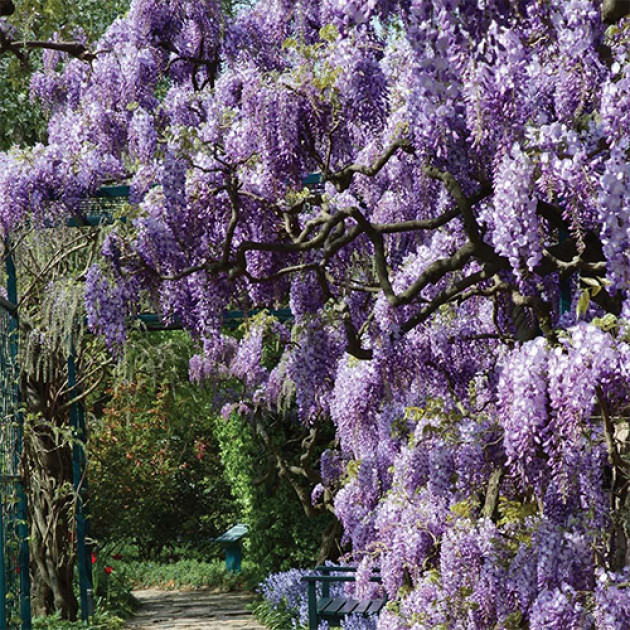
[(155, 472), (168, 473), (459, 282), (280, 534), (189, 574)]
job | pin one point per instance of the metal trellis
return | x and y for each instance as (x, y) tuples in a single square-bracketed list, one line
[(105, 207), (15, 587)]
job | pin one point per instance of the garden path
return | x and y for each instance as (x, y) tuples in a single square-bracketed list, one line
[(192, 610)]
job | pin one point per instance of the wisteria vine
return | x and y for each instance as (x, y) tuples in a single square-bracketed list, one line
[(457, 270)]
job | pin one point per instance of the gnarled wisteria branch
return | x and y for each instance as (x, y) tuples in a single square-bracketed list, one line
[(17, 47), (457, 291), (463, 202), (343, 178), (329, 233)]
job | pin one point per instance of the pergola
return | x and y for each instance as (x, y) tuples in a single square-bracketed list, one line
[(15, 588)]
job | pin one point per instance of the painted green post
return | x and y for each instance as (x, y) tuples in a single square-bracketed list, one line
[(3, 586), (79, 478), (230, 541), (312, 605), (325, 584), (233, 557), (22, 525)]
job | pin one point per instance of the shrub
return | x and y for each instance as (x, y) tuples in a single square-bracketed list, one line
[(281, 535), (190, 574), (156, 476), (100, 621)]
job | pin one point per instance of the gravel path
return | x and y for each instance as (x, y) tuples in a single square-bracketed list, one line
[(193, 610)]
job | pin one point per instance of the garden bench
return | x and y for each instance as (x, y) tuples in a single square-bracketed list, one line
[(334, 609)]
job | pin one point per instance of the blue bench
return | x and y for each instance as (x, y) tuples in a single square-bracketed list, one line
[(334, 609)]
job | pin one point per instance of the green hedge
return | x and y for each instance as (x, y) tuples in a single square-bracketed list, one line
[(281, 535)]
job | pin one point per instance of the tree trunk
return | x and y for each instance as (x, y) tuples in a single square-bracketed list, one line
[(51, 499), (42, 599), (330, 548)]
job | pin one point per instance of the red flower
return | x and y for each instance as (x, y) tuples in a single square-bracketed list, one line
[(117, 556), (108, 570), (93, 558)]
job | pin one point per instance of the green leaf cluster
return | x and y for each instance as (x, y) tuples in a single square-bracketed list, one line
[(155, 473), (191, 574)]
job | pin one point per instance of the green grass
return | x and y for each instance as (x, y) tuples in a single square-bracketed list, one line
[(100, 621), (190, 574)]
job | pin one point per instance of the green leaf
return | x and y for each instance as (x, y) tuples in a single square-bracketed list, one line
[(591, 282), (329, 33), (607, 323), (583, 303), (461, 509)]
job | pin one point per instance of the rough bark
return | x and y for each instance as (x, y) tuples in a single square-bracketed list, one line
[(614, 10), (7, 7), (330, 548), (616, 434), (492, 494), (51, 499)]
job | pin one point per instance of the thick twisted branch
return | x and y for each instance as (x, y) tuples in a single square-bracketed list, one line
[(343, 178), (17, 47), (324, 235)]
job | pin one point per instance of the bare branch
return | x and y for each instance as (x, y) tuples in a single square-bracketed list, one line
[(447, 296), (614, 10), (231, 229), (438, 269), (343, 178), (283, 272), (609, 431), (463, 202), (16, 47), (492, 493), (420, 224)]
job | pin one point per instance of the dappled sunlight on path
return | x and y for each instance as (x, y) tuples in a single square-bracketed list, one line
[(193, 610)]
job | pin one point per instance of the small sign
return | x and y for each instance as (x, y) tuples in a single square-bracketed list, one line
[(233, 535)]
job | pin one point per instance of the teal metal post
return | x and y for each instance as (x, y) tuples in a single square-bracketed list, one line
[(233, 557), (22, 525), (312, 606), (231, 543), (3, 586), (79, 478)]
